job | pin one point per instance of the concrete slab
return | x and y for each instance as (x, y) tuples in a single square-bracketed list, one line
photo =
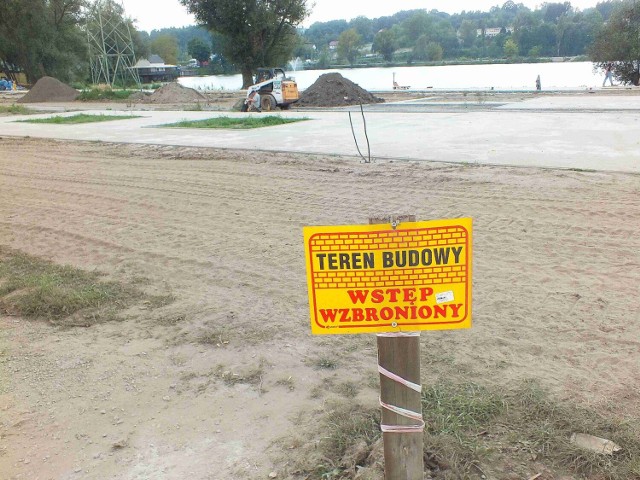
[(583, 102), (608, 140)]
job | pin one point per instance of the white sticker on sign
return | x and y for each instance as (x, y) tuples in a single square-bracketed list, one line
[(444, 297)]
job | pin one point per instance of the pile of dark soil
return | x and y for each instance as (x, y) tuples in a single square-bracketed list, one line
[(333, 90), (49, 89), (176, 93)]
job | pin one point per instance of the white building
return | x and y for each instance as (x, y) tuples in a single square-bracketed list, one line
[(493, 32)]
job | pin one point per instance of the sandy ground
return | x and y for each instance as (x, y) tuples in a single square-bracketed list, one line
[(556, 274)]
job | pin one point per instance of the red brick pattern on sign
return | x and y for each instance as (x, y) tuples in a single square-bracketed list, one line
[(401, 240)]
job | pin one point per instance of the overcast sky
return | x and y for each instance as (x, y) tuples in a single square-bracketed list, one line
[(157, 14)]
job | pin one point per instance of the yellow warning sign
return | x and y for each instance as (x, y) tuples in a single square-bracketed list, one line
[(374, 278)]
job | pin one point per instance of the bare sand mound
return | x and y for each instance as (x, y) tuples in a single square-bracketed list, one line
[(49, 89), (176, 93), (139, 97), (334, 90)]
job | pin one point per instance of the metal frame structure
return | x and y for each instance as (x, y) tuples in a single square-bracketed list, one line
[(110, 46)]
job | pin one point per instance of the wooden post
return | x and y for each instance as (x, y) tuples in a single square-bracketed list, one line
[(403, 452)]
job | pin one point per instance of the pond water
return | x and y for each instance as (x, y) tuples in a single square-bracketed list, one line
[(518, 76)]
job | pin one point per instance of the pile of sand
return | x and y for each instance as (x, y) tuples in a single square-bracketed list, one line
[(175, 93), (333, 90), (139, 97), (49, 89)]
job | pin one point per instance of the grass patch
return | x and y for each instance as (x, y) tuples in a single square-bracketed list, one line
[(80, 118), (219, 338), (235, 123), (323, 363), (35, 288), (347, 389), (346, 425), (288, 383), (544, 427), (452, 409), (470, 429), (349, 433), (154, 302), (15, 110), (253, 376), (473, 431), (96, 94)]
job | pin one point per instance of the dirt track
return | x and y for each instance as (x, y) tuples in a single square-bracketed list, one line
[(557, 256)]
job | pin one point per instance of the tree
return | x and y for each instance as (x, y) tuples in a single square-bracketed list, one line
[(321, 34), (509, 6), (510, 48), (607, 7), (581, 32), (427, 50), (349, 42), (140, 43), (434, 52), (43, 38), (444, 34), (364, 27), (420, 48), (198, 50), (562, 27), (416, 26), (183, 36), (468, 33), (534, 52), (256, 32), (324, 59), (553, 11), (385, 44), (618, 43), (167, 47)]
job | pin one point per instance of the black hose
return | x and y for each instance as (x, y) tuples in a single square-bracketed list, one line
[(364, 121), (355, 139)]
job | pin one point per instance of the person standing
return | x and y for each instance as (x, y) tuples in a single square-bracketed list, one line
[(538, 83), (608, 74)]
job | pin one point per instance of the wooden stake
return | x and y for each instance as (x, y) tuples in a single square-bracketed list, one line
[(403, 452)]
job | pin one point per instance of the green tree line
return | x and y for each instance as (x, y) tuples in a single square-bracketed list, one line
[(510, 30)]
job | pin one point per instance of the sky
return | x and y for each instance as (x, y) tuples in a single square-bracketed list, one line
[(156, 14)]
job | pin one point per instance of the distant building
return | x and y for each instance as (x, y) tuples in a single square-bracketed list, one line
[(494, 31), (333, 45), (154, 69)]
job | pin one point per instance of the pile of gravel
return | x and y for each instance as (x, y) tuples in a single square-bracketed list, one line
[(175, 93), (334, 90), (49, 89)]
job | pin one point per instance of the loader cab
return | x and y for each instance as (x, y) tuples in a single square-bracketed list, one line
[(264, 74)]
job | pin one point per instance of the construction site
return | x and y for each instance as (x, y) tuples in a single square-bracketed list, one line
[(154, 297), (217, 374)]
